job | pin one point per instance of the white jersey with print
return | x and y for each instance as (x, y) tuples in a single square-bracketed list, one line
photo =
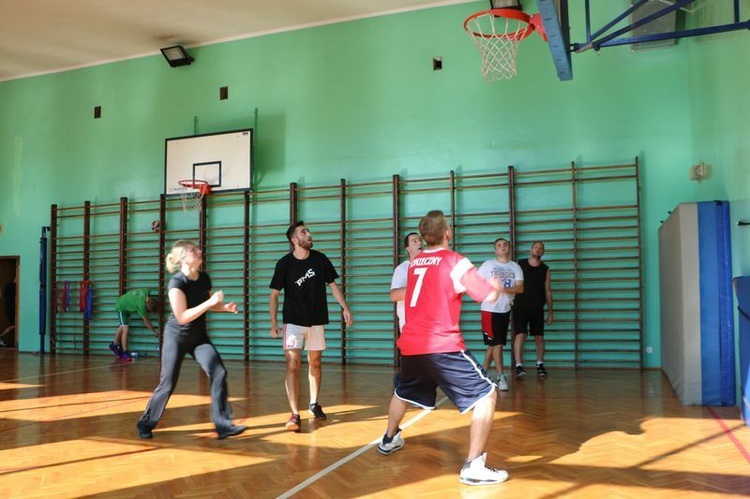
[(509, 274), (399, 281)]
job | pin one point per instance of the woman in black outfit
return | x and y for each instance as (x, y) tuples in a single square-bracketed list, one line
[(190, 298)]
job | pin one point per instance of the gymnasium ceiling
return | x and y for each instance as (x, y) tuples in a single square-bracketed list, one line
[(44, 36)]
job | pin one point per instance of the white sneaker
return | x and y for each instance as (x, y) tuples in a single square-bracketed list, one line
[(390, 447), (502, 383), (477, 472)]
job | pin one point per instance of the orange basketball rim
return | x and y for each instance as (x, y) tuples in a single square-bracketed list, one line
[(496, 33)]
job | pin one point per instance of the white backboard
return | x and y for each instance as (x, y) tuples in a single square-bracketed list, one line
[(223, 159)]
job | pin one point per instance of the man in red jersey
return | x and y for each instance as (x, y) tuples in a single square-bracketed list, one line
[(433, 350)]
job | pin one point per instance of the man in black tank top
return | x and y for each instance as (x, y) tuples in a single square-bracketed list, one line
[(528, 308)]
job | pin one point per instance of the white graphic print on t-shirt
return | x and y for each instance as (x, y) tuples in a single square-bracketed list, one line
[(310, 273)]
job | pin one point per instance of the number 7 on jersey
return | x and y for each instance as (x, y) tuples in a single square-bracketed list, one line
[(419, 272)]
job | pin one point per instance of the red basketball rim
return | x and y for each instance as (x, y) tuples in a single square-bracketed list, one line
[(200, 185), (518, 35)]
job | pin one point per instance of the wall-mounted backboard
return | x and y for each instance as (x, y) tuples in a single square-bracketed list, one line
[(223, 159)]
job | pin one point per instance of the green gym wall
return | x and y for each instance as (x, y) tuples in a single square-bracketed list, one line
[(359, 100)]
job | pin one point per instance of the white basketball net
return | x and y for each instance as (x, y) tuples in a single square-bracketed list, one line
[(497, 40), (191, 198)]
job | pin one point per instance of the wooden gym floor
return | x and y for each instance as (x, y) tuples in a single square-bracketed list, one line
[(67, 429)]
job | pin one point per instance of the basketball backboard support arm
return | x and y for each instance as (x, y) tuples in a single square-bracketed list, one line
[(601, 39), (556, 26), (555, 18)]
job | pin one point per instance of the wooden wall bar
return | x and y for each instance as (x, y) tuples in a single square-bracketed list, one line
[(589, 218)]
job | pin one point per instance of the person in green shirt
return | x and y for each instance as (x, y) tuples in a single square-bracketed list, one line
[(136, 301)]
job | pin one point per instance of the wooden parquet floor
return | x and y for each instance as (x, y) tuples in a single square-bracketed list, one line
[(67, 429)]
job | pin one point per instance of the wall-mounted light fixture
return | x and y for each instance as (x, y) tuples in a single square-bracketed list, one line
[(177, 56)]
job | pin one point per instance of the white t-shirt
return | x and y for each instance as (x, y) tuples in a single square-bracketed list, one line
[(399, 281), (509, 274)]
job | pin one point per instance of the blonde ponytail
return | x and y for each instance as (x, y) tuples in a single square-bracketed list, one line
[(173, 260)]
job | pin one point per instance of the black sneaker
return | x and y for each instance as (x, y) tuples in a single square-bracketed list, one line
[(317, 411), (231, 431), (144, 432), (541, 371), (520, 373)]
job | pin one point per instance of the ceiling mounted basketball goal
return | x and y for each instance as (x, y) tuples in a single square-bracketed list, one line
[(496, 32)]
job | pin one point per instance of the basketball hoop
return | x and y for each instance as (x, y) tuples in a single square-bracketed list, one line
[(496, 33), (192, 192)]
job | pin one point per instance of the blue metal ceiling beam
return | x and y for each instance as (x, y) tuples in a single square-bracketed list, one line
[(677, 34), (556, 26), (597, 41), (617, 19)]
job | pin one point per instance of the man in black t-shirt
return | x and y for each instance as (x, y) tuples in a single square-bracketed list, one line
[(528, 308), (303, 274)]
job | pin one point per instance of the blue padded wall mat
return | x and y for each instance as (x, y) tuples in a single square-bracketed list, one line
[(717, 326), (743, 304)]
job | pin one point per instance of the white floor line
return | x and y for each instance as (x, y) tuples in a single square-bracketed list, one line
[(343, 461), (49, 375)]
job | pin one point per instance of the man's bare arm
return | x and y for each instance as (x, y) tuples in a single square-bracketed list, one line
[(336, 291)]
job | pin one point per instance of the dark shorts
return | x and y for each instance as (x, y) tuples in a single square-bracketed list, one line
[(528, 322), (495, 327), (461, 377), (123, 318)]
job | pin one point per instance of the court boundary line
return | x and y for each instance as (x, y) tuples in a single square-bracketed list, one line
[(49, 375), (728, 432), (317, 476)]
